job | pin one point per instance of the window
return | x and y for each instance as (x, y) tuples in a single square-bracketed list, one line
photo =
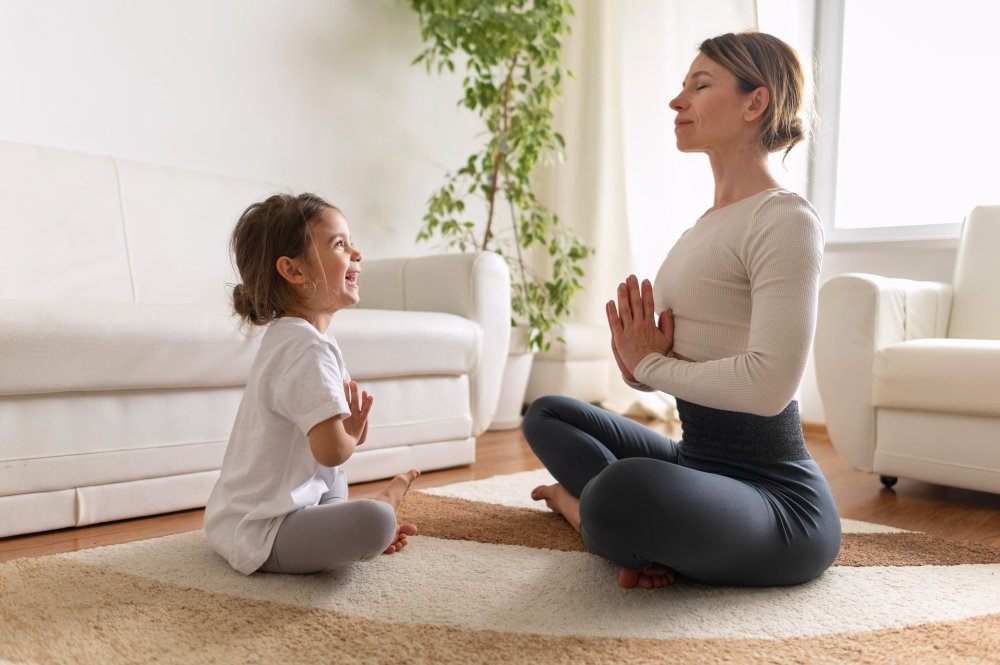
[(909, 139)]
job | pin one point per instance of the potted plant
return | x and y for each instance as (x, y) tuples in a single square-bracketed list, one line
[(511, 51)]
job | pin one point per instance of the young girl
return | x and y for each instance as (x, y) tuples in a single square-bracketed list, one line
[(280, 504)]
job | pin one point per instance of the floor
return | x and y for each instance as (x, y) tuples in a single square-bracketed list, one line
[(942, 511)]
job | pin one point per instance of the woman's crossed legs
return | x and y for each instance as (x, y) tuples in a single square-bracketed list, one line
[(623, 487)]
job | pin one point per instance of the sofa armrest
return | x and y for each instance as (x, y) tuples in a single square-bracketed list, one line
[(473, 285), (859, 314)]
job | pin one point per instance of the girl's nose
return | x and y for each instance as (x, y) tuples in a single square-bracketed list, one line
[(356, 256)]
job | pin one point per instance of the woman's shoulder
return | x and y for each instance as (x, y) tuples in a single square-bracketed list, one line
[(784, 203), (782, 209)]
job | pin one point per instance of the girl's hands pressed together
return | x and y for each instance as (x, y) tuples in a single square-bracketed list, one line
[(356, 424), (635, 332)]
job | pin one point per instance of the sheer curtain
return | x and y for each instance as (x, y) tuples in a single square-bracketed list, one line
[(624, 187)]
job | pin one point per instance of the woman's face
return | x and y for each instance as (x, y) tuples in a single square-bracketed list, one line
[(712, 113)]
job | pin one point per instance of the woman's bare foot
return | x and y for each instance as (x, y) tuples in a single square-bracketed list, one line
[(394, 491), (402, 532), (559, 499), (652, 576)]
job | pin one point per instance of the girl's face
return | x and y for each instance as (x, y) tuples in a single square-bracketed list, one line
[(712, 113), (333, 264)]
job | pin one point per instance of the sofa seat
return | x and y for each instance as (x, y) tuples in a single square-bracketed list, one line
[(908, 375), (153, 361)]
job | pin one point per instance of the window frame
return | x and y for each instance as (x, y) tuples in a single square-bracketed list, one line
[(822, 179)]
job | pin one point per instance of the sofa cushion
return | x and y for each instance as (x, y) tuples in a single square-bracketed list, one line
[(385, 344), (63, 233), (944, 375), (61, 347), (178, 244)]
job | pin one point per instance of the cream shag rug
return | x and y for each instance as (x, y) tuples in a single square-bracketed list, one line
[(495, 578)]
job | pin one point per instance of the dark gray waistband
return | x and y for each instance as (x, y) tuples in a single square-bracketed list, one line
[(732, 435)]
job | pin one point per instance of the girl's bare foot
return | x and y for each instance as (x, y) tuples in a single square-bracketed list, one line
[(394, 491), (558, 499), (652, 576), (402, 532)]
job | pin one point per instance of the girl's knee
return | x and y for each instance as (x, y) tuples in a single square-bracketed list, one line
[(378, 527)]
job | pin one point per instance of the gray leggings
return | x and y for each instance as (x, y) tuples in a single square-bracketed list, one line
[(332, 534), (645, 498)]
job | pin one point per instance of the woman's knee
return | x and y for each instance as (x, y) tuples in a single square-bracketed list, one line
[(542, 413), (536, 418), (543, 408), (612, 500), (619, 482)]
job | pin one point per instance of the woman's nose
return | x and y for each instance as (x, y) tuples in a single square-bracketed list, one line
[(677, 103)]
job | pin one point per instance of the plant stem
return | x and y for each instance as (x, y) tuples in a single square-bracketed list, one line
[(501, 151), (520, 264)]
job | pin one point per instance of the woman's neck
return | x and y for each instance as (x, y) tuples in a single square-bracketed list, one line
[(738, 175)]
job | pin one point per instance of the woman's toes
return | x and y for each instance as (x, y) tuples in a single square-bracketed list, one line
[(628, 578)]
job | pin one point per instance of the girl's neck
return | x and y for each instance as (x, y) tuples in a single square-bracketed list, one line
[(319, 320)]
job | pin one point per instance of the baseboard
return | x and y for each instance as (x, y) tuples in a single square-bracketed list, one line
[(814, 428)]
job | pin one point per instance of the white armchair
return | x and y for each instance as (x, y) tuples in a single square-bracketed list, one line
[(909, 371)]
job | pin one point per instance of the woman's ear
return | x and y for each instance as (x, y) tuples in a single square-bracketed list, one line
[(291, 271), (759, 99)]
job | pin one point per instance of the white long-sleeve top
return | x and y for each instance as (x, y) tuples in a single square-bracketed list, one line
[(743, 285)]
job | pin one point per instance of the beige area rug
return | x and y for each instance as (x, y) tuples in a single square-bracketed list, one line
[(494, 578)]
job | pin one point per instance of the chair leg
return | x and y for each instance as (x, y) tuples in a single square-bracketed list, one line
[(888, 481)]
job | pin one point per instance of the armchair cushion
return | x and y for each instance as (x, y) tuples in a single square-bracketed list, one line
[(944, 375)]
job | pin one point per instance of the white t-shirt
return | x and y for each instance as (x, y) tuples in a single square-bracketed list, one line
[(743, 283), (268, 471)]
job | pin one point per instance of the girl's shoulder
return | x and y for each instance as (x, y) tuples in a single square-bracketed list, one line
[(289, 337)]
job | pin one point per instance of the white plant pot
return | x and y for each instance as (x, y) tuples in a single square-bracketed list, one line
[(514, 384)]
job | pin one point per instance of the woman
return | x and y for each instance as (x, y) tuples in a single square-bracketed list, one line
[(739, 500)]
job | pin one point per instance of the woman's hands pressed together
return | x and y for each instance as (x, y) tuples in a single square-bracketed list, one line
[(635, 332)]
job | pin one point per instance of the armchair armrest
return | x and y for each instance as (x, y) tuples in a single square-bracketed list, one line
[(859, 314), (473, 285)]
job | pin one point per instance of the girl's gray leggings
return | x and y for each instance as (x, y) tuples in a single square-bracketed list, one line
[(762, 516), (332, 534)]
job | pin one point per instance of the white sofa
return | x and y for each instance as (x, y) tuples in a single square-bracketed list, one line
[(121, 366), (578, 367), (909, 371)]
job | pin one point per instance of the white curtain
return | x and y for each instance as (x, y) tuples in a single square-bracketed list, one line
[(624, 187)]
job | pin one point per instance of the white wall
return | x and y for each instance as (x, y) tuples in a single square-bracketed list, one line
[(310, 94), (930, 260)]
